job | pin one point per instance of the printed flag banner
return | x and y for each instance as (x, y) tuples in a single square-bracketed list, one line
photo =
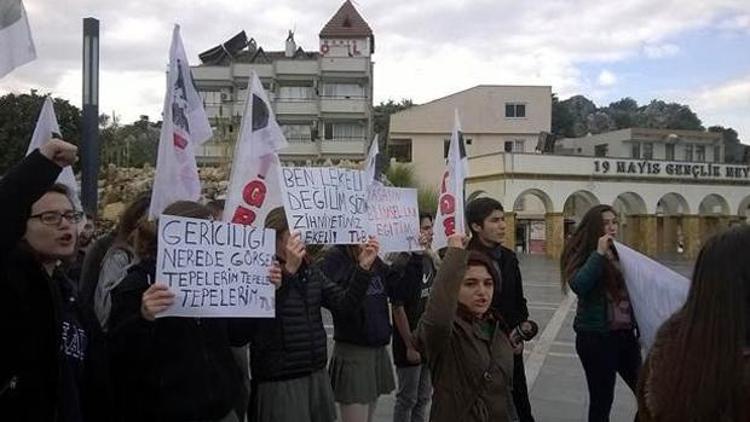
[(371, 164), (254, 188), (656, 292), (16, 45), (184, 127), (450, 210)]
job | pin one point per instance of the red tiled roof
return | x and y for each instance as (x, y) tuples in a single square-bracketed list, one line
[(347, 22)]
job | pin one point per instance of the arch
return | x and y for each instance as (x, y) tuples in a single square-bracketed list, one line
[(518, 204), (714, 204), (672, 203), (474, 195), (744, 209), (629, 203), (578, 203)]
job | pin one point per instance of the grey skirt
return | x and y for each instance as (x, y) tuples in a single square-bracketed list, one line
[(301, 399), (360, 374)]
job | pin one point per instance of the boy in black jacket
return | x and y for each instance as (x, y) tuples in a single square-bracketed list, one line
[(486, 221)]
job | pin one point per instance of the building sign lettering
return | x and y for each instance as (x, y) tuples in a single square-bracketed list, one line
[(672, 169)]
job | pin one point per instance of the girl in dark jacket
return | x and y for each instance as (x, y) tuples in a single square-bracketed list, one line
[(604, 322), (171, 369), (699, 366), (52, 362), (360, 367), (288, 353)]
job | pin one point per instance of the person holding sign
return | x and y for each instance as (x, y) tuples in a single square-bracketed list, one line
[(699, 366), (604, 323), (415, 275), (177, 369), (464, 340), (360, 367), (288, 354), (52, 362)]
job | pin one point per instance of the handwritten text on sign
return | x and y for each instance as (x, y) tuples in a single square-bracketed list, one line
[(394, 218), (326, 204), (216, 269)]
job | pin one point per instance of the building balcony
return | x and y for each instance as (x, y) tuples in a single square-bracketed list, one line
[(297, 67), (211, 73), (345, 64), (344, 105), (344, 146), (213, 152), (242, 70), (299, 147), (295, 107)]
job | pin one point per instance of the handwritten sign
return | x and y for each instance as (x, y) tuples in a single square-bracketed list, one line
[(326, 204), (393, 214), (216, 269)]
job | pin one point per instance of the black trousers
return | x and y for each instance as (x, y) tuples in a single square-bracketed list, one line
[(521, 391), (604, 355)]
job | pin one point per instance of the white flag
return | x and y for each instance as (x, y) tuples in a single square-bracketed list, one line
[(47, 128), (184, 126), (371, 164), (656, 292), (16, 45), (450, 210), (254, 188)]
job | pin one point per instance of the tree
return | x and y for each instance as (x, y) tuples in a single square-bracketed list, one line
[(734, 151), (562, 119), (18, 116), (382, 125), (623, 113), (130, 145), (661, 115)]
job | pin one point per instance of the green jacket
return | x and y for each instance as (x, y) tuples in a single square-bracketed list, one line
[(588, 285)]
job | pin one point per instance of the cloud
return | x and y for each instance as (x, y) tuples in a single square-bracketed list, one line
[(606, 78), (424, 48), (660, 51), (725, 104)]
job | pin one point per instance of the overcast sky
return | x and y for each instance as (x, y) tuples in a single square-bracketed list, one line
[(691, 51)]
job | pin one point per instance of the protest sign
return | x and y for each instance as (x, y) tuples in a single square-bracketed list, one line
[(656, 292), (327, 205), (216, 269), (393, 215)]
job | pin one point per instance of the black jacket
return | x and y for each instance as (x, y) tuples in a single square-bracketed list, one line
[(171, 369), (31, 304), (368, 325), (293, 344), (511, 302)]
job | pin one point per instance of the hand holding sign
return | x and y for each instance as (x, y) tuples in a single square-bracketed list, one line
[(274, 274), (155, 300), (369, 253), (295, 253), (59, 152)]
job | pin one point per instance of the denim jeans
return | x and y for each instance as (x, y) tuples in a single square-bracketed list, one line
[(413, 394)]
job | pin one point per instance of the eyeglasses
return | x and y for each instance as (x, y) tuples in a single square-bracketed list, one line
[(53, 218)]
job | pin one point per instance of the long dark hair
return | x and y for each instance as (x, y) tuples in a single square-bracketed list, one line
[(702, 378), (582, 243)]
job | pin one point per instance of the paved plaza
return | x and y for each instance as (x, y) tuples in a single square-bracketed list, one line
[(556, 381)]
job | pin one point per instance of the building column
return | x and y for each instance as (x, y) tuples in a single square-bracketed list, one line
[(510, 231), (631, 233), (554, 234), (691, 231), (648, 235)]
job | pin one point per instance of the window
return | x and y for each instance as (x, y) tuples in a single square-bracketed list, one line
[(446, 147), (518, 145), (688, 152), (343, 91), (648, 150), (295, 93), (508, 146), (669, 152), (400, 149), (700, 153), (601, 150), (344, 132), (211, 97), (515, 110), (717, 154), (297, 133), (635, 151)]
